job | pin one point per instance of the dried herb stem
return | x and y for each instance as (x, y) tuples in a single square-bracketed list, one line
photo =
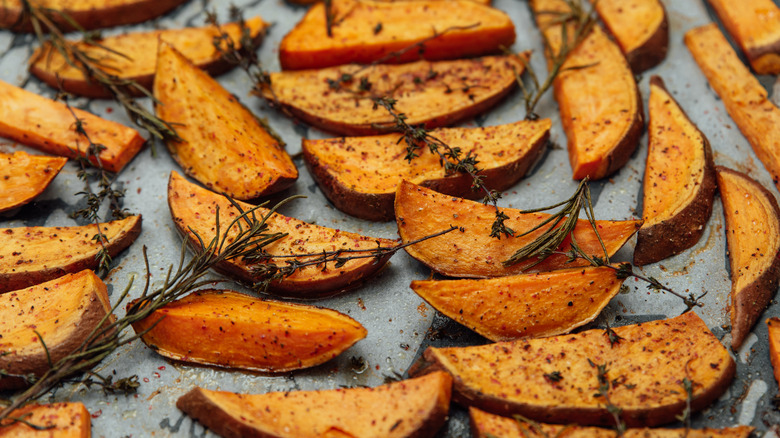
[(603, 392)]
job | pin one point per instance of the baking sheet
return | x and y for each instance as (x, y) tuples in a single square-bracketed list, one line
[(400, 325)]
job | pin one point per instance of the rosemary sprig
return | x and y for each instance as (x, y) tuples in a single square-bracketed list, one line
[(603, 392)]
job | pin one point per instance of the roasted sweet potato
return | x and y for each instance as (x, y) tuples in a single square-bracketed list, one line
[(24, 176), (49, 126), (485, 425), (773, 324), (32, 255), (195, 43), (679, 185), (366, 31), (745, 99), (640, 28), (223, 145), (472, 252), (233, 330), (755, 25), (88, 14), (194, 208), (432, 94), (600, 106), (514, 307), (553, 380), (59, 420), (753, 237), (63, 311), (360, 174), (410, 408)]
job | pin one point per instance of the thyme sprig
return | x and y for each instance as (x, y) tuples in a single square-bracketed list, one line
[(603, 393)]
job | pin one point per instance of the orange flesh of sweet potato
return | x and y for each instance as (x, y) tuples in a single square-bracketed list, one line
[(473, 253), (409, 408), (24, 176), (63, 311), (484, 425), (773, 325), (360, 174), (640, 28), (224, 145), (647, 367), (679, 185), (194, 43), (195, 207), (47, 125), (744, 97), (755, 25), (233, 330), (32, 255), (311, 2), (508, 308), (433, 94), (356, 39), (62, 420), (600, 106), (753, 237)]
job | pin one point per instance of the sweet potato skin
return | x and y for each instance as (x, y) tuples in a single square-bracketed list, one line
[(754, 25), (233, 330), (62, 420), (355, 39), (195, 43), (641, 29), (666, 156), (773, 326), (24, 176), (360, 175), (487, 377)]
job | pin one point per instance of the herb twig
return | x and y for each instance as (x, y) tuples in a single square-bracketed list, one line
[(685, 416), (603, 393)]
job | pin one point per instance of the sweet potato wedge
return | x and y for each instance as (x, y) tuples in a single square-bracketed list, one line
[(640, 28), (60, 420), (366, 31), (515, 307), (745, 99), (753, 238), (223, 145), (193, 209), (88, 14), (47, 125), (32, 255), (755, 26), (24, 176), (432, 94), (233, 330), (645, 370), (600, 106), (679, 185), (63, 311), (485, 425), (360, 174), (472, 252), (773, 325), (195, 43), (410, 408)]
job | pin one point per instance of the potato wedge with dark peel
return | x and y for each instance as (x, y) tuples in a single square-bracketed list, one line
[(646, 370), (24, 176), (472, 252), (755, 26), (773, 324), (49, 126), (745, 99), (32, 255), (409, 408), (360, 174), (679, 185), (598, 98), (193, 209), (518, 306), (58, 420), (63, 311), (233, 330), (640, 28), (753, 237), (464, 28), (432, 94), (223, 145), (485, 425), (194, 43)]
